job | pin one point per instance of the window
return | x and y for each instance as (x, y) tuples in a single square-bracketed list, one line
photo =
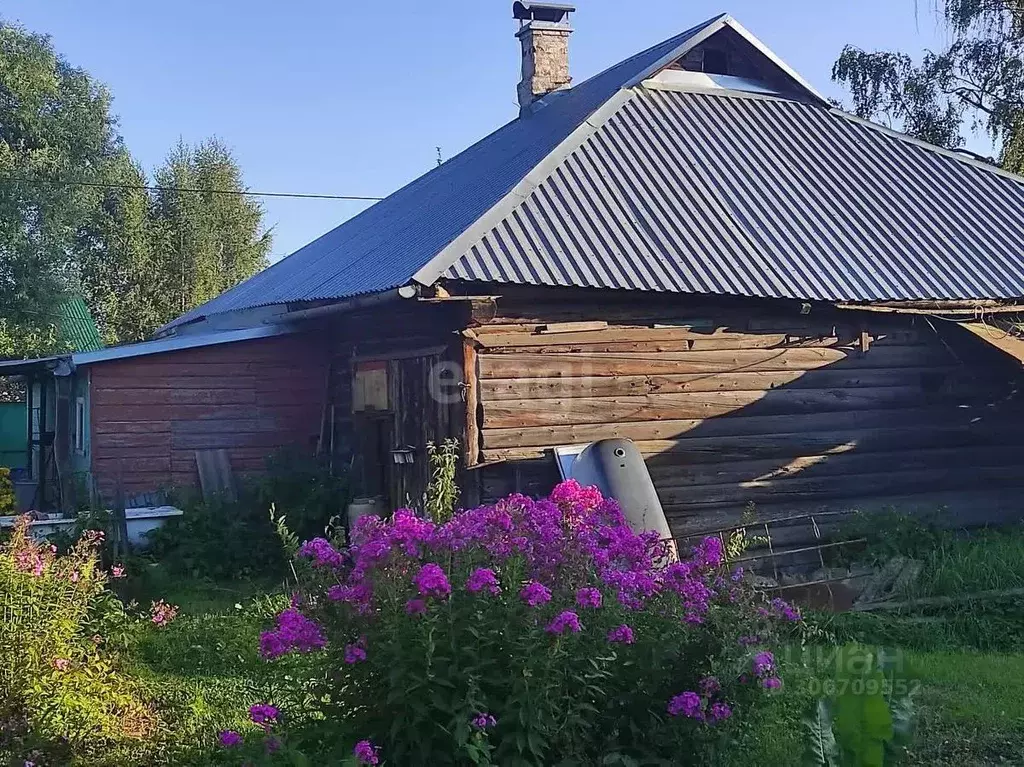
[(78, 438)]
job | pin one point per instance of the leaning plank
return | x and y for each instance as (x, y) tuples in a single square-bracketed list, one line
[(939, 601), (696, 405), (215, 476)]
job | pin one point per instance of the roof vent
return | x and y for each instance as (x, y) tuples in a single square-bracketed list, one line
[(544, 33)]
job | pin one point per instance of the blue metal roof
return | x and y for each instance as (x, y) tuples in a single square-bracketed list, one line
[(382, 247), (754, 196), (618, 183)]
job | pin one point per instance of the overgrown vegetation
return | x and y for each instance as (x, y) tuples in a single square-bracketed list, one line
[(223, 539)]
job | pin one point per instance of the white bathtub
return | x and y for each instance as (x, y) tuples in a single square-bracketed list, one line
[(140, 521)]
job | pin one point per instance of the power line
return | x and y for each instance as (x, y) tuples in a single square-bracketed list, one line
[(148, 188)]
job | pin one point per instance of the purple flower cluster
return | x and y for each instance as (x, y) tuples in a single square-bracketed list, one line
[(535, 594), (621, 635), (321, 552), (294, 633), (263, 713), (483, 578), (782, 609), (229, 739), (565, 621), (588, 598), (366, 753), (432, 582), (484, 720), (356, 652), (416, 607), (688, 704)]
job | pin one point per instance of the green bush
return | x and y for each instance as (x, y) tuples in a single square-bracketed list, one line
[(525, 633), (222, 539), (7, 499), (60, 692)]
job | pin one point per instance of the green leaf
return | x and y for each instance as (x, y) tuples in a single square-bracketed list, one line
[(820, 749)]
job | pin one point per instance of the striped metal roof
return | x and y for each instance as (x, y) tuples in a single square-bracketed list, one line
[(754, 196), (77, 327), (385, 245), (623, 183)]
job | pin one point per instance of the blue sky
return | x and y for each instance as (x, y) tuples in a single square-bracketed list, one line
[(347, 97)]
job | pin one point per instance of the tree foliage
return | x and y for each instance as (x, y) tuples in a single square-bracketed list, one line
[(139, 258), (55, 124), (975, 83)]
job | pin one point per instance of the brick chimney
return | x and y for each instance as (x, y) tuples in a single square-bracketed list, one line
[(544, 33)]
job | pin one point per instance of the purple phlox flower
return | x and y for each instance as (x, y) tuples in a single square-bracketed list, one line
[(771, 683), (263, 713), (709, 553), (535, 593), (566, 620), (588, 597), (356, 652), (483, 578), (763, 664), (621, 634), (294, 633), (416, 607), (737, 575), (410, 532), (484, 720), (272, 744), (366, 752), (321, 552), (688, 704), (359, 595), (783, 609), (230, 739), (709, 685), (720, 712), (749, 641), (432, 582)]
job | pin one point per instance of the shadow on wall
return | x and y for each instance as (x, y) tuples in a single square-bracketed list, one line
[(867, 412)]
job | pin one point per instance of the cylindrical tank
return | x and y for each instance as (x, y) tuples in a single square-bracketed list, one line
[(616, 467), (362, 507)]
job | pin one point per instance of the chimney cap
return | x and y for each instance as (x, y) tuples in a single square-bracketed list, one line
[(527, 10)]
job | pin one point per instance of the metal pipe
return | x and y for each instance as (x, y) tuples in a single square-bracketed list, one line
[(344, 307)]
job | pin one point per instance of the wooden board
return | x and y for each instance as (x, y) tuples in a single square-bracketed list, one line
[(674, 363), (691, 405), (504, 389)]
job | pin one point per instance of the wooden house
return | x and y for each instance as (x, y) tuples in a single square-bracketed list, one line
[(774, 299)]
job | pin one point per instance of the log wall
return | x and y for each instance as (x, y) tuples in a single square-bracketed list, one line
[(732, 406)]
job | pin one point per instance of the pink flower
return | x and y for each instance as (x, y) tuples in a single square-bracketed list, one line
[(588, 597), (432, 582), (366, 753), (321, 552), (567, 620), (621, 635), (230, 739), (117, 571), (162, 613), (535, 594), (61, 664), (688, 704)]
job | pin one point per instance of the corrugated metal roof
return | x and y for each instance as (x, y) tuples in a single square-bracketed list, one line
[(180, 343), (382, 247), (753, 196), (77, 327), (621, 183)]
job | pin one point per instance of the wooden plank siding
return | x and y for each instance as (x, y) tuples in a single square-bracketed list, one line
[(253, 398), (732, 407)]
